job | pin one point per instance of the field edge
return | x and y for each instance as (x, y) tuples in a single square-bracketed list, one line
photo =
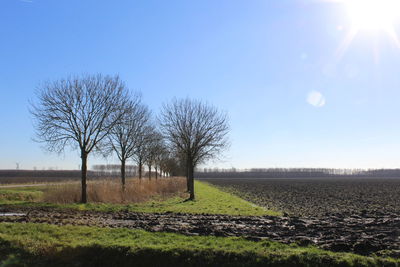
[(49, 245), (209, 200)]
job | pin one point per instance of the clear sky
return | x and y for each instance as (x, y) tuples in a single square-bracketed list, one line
[(302, 85)]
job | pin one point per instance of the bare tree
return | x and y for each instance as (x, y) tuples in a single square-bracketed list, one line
[(141, 151), (154, 146), (161, 157), (197, 131), (78, 112), (125, 136)]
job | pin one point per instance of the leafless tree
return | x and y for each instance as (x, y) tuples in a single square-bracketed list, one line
[(154, 147), (170, 166), (161, 158), (78, 112), (141, 151), (198, 131), (124, 137)]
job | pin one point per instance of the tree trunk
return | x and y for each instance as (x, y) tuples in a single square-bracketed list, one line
[(140, 169), (156, 172), (123, 162), (188, 174), (191, 181), (149, 172), (84, 157)]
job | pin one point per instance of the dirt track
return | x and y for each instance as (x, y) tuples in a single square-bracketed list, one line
[(363, 234)]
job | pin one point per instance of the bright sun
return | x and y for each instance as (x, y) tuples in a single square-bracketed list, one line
[(373, 14)]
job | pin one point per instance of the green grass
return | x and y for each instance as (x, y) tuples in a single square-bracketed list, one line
[(49, 245), (19, 195), (209, 199)]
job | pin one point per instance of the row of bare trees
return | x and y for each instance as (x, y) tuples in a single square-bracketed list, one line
[(136, 137), (97, 113)]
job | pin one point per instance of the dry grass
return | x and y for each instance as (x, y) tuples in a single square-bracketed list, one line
[(111, 191)]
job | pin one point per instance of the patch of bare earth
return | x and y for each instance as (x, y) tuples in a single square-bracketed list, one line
[(362, 234)]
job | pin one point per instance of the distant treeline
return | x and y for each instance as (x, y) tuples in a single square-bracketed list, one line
[(113, 170), (295, 173)]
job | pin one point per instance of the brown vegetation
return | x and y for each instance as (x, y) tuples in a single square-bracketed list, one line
[(111, 191)]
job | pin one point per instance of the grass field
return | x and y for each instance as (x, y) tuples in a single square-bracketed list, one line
[(209, 200), (48, 245), (20, 195)]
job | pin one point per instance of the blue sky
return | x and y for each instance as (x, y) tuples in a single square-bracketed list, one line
[(294, 100)]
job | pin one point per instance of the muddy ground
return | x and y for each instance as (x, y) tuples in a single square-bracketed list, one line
[(363, 233)]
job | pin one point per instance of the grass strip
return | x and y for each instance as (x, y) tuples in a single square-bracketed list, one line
[(50, 245), (209, 200)]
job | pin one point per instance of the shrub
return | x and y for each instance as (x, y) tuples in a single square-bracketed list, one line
[(111, 191)]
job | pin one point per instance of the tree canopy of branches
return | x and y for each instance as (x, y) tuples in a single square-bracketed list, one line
[(79, 112), (125, 137), (141, 151), (161, 158), (154, 149), (170, 166), (198, 132)]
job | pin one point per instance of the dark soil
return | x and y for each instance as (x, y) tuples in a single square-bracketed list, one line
[(318, 197), (364, 233)]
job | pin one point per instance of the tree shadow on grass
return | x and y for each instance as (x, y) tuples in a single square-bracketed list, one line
[(188, 200)]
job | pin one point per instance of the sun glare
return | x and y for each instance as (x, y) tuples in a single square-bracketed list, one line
[(373, 14)]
